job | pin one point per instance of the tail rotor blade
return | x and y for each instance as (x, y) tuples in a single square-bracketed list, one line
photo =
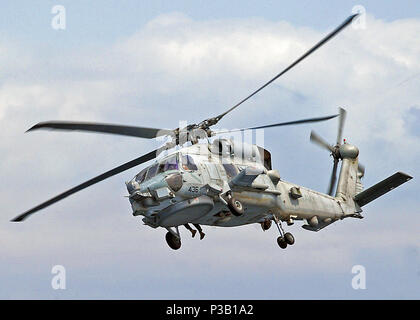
[(315, 138), (333, 177), (361, 169), (342, 119)]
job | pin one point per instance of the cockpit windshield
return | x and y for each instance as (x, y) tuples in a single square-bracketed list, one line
[(152, 171), (170, 163), (141, 175)]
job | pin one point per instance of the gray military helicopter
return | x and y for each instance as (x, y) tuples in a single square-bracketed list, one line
[(228, 183)]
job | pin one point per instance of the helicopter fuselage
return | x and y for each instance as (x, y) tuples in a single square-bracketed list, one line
[(190, 185)]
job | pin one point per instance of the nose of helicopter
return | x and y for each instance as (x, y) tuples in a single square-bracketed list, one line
[(132, 186), (155, 183), (160, 187)]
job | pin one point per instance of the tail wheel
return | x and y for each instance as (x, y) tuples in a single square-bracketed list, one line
[(173, 241), (281, 242), (288, 237), (235, 207)]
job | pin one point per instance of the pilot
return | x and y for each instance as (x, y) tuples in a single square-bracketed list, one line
[(193, 232)]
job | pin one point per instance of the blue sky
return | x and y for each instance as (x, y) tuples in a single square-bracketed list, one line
[(156, 63), (105, 21)]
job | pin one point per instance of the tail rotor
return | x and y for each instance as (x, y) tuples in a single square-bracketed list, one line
[(334, 149)]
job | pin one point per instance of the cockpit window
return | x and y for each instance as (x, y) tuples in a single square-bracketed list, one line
[(152, 171), (141, 175), (188, 163), (170, 163)]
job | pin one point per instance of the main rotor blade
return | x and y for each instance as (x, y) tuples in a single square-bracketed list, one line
[(341, 121), (141, 132), (314, 48), (282, 124), (128, 165), (321, 142), (333, 177)]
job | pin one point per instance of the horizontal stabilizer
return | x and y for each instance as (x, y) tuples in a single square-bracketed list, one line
[(381, 188)]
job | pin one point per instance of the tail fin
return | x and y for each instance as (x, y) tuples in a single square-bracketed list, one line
[(379, 189), (349, 173)]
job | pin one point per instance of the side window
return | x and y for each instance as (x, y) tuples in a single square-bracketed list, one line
[(141, 175), (152, 171), (171, 163), (231, 170), (188, 163), (161, 167)]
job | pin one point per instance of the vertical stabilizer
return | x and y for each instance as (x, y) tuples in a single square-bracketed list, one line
[(348, 180)]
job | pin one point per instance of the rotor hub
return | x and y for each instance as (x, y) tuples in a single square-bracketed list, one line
[(348, 151)]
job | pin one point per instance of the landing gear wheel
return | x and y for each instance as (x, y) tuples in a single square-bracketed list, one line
[(282, 242), (173, 241), (288, 237), (266, 225), (235, 207)]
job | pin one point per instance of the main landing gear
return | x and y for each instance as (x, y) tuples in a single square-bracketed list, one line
[(285, 238), (235, 206), (173, 239)]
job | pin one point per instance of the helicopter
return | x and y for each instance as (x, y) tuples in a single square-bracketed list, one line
[(229, 183)]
